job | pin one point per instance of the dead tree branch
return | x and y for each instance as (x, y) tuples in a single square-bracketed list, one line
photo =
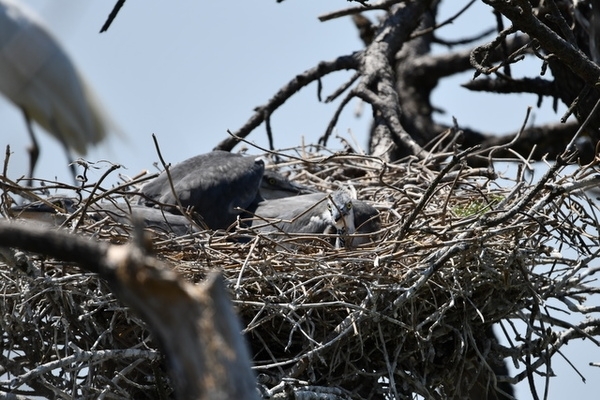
[(195, 325)]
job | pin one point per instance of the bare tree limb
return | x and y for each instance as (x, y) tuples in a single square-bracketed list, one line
[(522, 16), (195, 325), (291, 88), (537, 86)]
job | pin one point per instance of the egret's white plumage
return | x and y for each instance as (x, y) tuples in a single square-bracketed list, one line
[(38, 76)]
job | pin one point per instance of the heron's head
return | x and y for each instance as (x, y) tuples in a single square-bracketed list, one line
[(275, 186), (342, 214), (53, 210)]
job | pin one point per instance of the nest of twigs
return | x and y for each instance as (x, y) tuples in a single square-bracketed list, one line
[(460, 249)]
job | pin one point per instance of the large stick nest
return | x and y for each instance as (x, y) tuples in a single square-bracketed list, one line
[(460, 249)]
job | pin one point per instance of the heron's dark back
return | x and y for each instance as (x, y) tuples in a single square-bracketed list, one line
[(215, 185)]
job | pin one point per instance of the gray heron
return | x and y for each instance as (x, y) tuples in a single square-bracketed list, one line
[(54, 211), (217, 186), (38, 76), (336, 213), (154, 219)]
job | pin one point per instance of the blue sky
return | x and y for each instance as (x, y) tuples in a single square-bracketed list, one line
[(188, 71)]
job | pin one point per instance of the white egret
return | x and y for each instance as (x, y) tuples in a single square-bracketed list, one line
[(37, 75)]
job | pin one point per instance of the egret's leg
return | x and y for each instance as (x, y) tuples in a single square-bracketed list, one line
[(34, 149), (71, 162), (67, 152)]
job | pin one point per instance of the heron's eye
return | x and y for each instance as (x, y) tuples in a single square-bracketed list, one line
[(271, 181), (59, 204), (329, 207), (349, 205)]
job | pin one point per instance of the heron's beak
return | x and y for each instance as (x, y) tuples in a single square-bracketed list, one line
[(301, 189), (339, 218)]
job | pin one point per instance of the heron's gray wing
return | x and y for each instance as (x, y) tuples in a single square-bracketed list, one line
[(298, 214), (152, 218), (275, 186), (215, 184), (55, 210)]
